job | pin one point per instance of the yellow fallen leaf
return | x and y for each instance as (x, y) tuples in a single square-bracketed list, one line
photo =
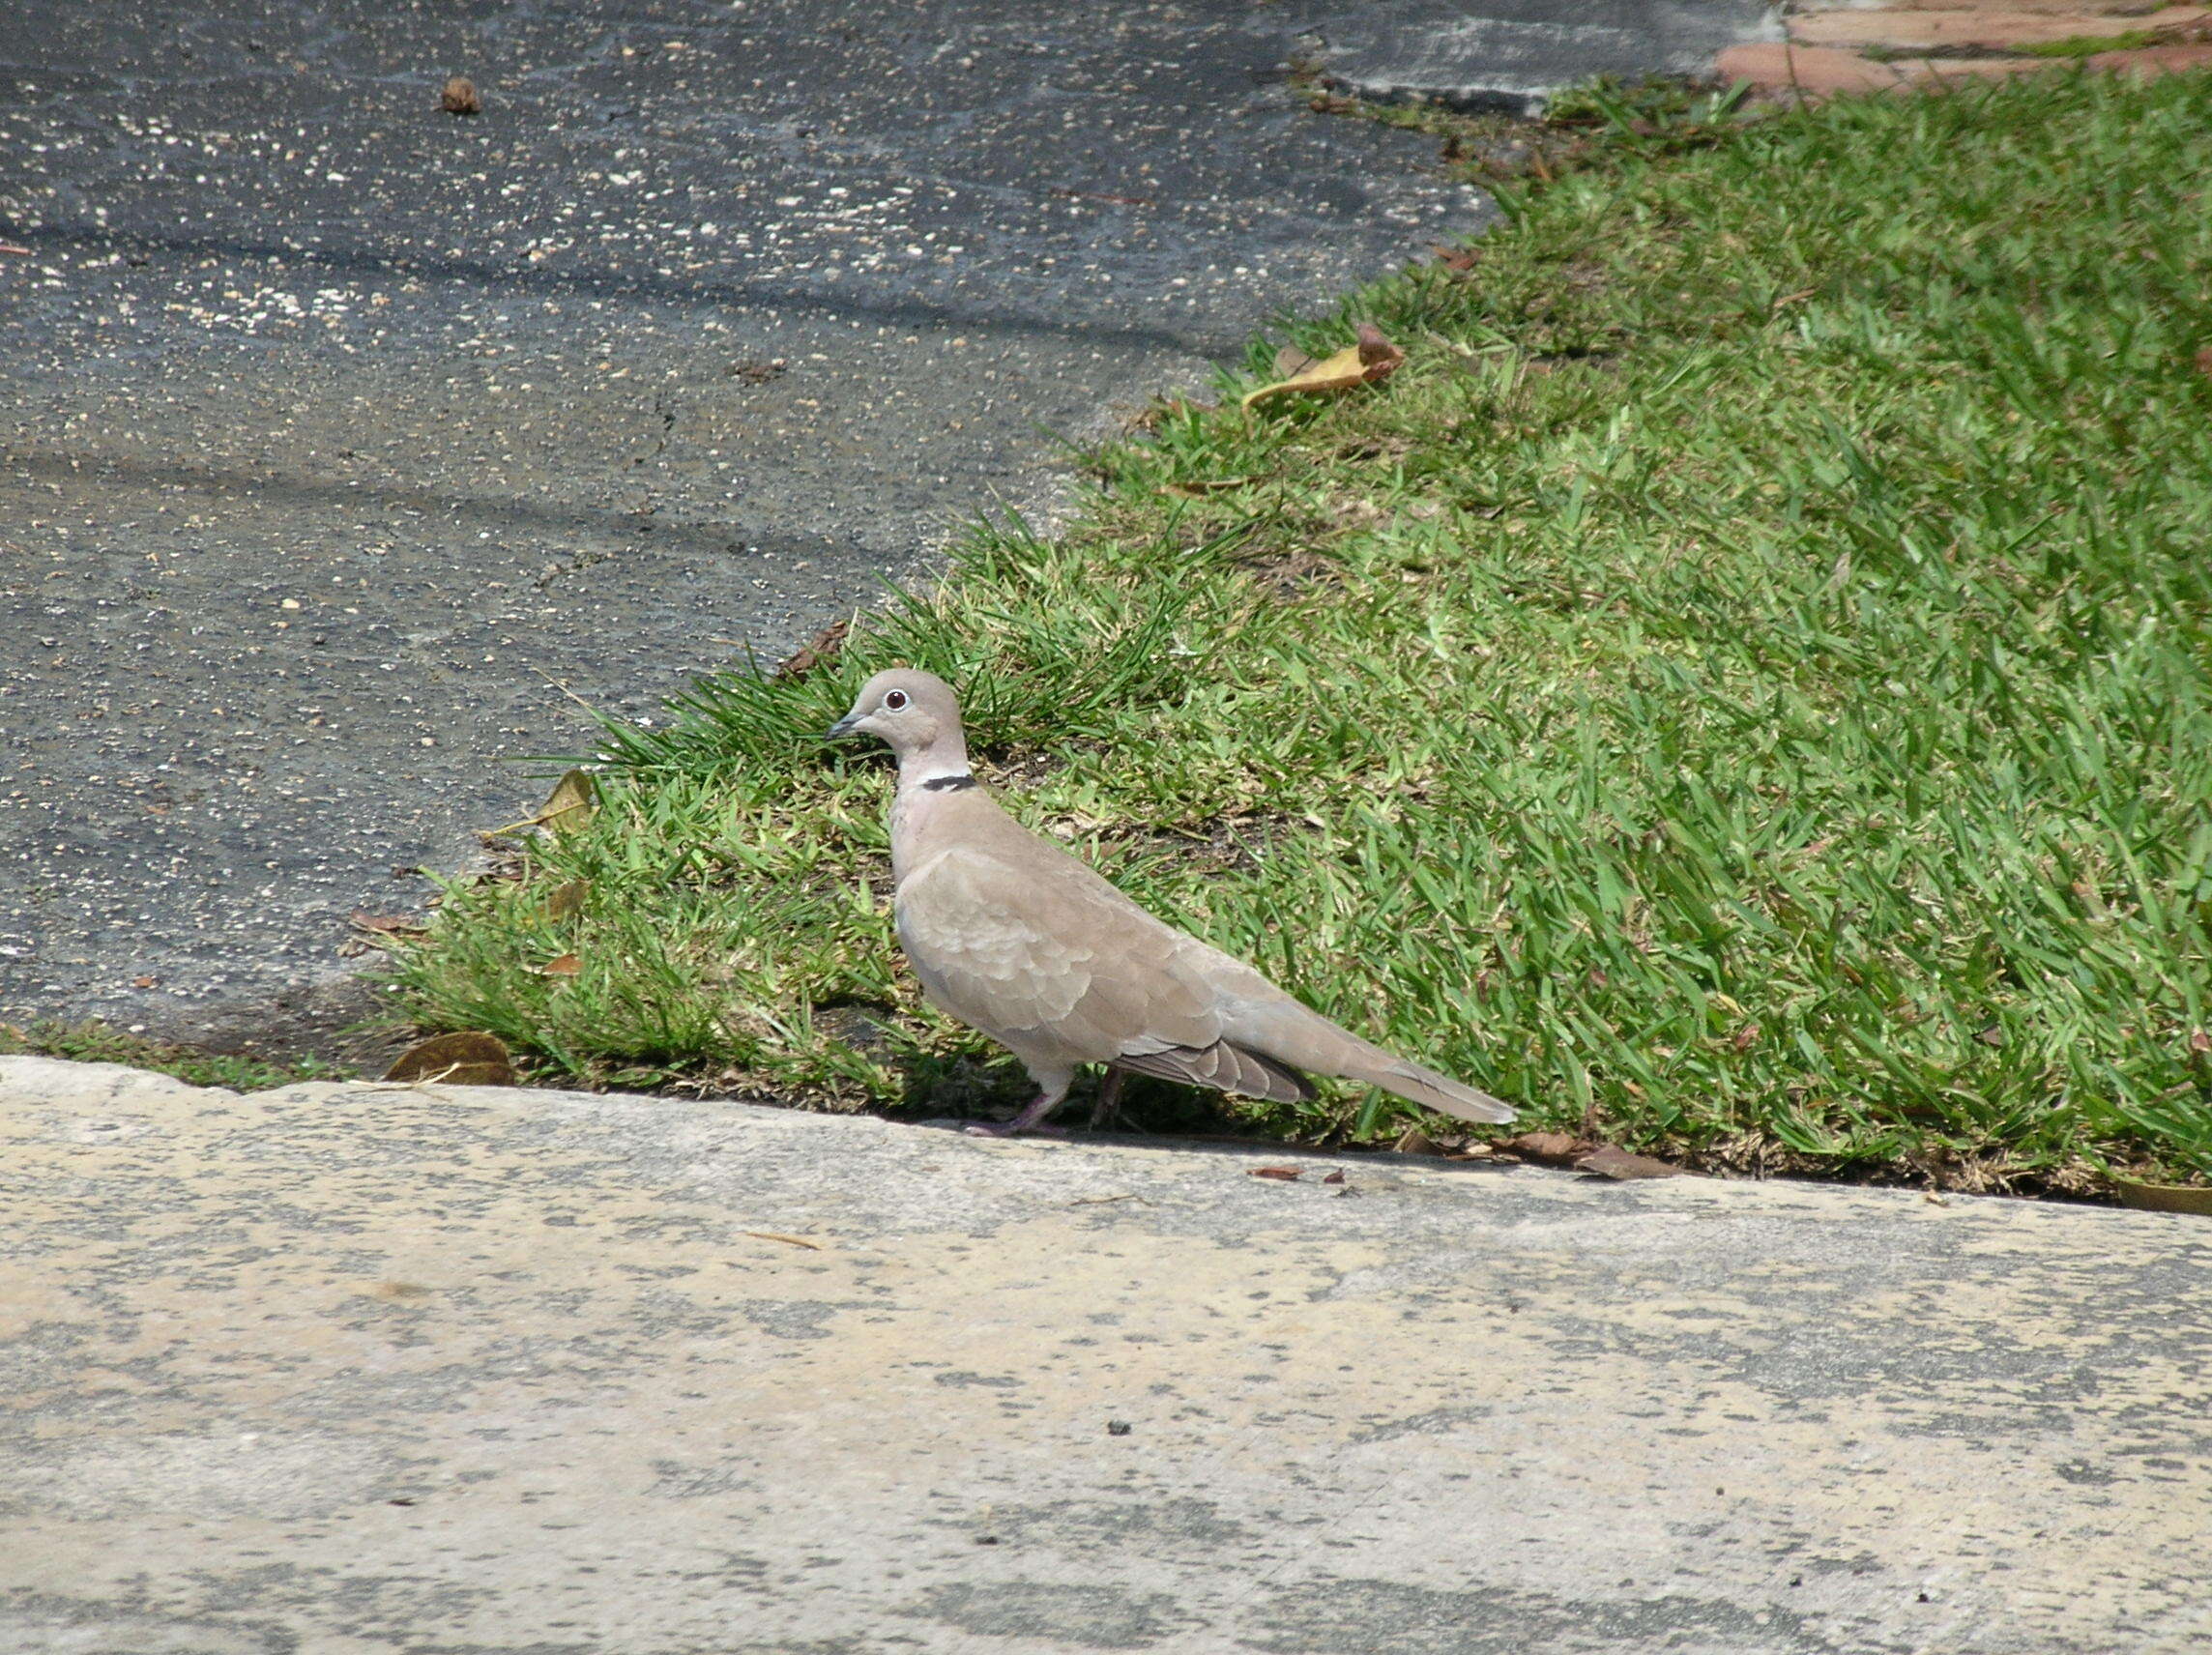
[(471, 1058), (1374, 358), (569, 806), (566, 808), (2165, 1198)]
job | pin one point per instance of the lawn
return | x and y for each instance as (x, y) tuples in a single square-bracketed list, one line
[(1739, 690)]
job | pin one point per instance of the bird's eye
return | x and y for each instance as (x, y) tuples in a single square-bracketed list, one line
[(895, 700)]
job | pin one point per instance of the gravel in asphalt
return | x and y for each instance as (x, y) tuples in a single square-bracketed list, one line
[(350, 445)]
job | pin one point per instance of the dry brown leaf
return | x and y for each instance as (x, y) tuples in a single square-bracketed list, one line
[(2196, 1198), (566, 901), (787, 1241), (1608, 1162), (1374, 358), (1335, 1178), (1282, 1174), (825, 647), (1415, 1141), (471, 1058), (403, 927), (2204, 362), (560, 965), (1555, 1148), (459, 98)]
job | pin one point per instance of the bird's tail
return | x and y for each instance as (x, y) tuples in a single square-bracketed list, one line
[(1432, 1090), (1263, 1020)]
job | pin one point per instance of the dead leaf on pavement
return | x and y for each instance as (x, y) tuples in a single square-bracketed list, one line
[(459, 98), (1608, 1162), (562, 965), (401, 927), (1283, 1174), (1553, 1149), (1374, 358), (787, 1241), (1415, 1141), (566, 901), (2196, 1198), (1458, 260), (471, 1058), (1335, 1178)]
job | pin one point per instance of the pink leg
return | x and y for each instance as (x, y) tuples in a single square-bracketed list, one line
[(1052, 1087), (1109, 1101)]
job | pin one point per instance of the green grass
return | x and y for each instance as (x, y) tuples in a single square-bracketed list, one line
[(1740, 688), (2072, 46), (2089, 46), (100, 1043)]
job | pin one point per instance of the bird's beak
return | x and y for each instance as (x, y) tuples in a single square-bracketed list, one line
[(838, 731)]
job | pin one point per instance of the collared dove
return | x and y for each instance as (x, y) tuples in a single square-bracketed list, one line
[(1018, 939)]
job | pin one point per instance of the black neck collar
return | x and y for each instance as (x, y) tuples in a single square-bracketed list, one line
[(949, 784)]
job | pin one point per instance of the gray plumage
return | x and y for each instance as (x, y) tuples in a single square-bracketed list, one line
[(1032, 946)]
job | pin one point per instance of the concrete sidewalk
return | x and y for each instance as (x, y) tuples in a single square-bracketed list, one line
[(363, 1369)]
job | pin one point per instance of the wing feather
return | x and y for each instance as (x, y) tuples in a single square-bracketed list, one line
[(1049, 963)]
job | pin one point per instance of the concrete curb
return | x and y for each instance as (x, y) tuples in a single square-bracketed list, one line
[(1513, 58), (346, 1368)]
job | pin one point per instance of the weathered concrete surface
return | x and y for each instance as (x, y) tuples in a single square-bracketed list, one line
[(1512, 55), (363, 1369)]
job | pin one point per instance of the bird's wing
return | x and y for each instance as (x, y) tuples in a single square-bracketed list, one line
[(1040, 954), (1224, 1068)]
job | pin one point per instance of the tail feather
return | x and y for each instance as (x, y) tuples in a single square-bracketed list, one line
[(1432, 1090), (1299, 1037)]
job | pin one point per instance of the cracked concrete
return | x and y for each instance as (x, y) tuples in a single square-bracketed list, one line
[(365, 1368)]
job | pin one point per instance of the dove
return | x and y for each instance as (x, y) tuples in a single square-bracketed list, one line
[(1033, 947)]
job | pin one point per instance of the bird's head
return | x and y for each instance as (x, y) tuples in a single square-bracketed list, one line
[(912, 712)]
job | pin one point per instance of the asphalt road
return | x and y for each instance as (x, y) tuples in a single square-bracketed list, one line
[(349, 448)]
